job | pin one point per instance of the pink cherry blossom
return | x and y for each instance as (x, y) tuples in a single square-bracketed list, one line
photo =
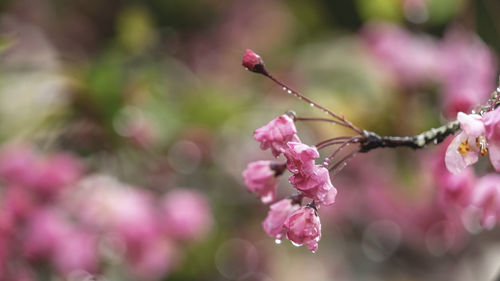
[(276, 134), (453, 189), (304, 228), (185, 214), (261, 179), (278, 213), (465, 148), (300, 157), (315, 184), (492, 128), (486, 196)]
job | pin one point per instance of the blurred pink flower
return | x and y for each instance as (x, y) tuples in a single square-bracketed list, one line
[(278, 213), (276, 134), (315, 184), (486, 196), (22, 166), (452, 188), (468, 69), (18, 201), (492, 128), (185, 214), (56, 172), (106, 204), (300, 157), (77, 250), (46, 229), (262, 180), (410, 58), (17, 165), (465, 148), (153, 260), (304, 228)]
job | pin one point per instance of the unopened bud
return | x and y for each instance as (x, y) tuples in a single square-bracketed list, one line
[(253, 62)]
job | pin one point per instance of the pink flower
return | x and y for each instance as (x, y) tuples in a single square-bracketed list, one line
[(410, 58), (300, 157), (17, 165), (153, 260), (465, 148), (278, 213), (185, 214), (315, 184), (105, 204), (76, 251), (261, 179), (304, 228), (252, 61), (491, 122), (276, 134), (311, 179), (468, 70), (453, 189), (486, 196), (56, 172), (45, 229)]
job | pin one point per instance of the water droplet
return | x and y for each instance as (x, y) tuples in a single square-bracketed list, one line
[(498, 90), (246, 68), (296, 244), (277, 241), (311, 104), (289, 91), (314, 252), (435, 141), (284, 88)]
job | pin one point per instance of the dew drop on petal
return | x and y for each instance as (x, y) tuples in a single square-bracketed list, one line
[(277, 241), (246, 68), (284, 88), (311, 104), (314, 252), (289, 91)]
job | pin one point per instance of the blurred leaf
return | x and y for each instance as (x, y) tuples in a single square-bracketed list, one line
[(4, 44), (135, 28), (390, 10), (442, 11), (105, 80)]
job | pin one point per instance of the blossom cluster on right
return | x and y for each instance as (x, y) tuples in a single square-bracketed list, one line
[(480, 135)]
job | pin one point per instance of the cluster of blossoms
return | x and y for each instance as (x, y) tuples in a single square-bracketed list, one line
[(480, 135), (286, 218), (300, 224), (80, 225)]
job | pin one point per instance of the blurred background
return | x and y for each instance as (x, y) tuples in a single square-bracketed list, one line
[(125, 126)]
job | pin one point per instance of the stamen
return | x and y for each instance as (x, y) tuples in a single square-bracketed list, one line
[(464, 148), (482, 143)]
